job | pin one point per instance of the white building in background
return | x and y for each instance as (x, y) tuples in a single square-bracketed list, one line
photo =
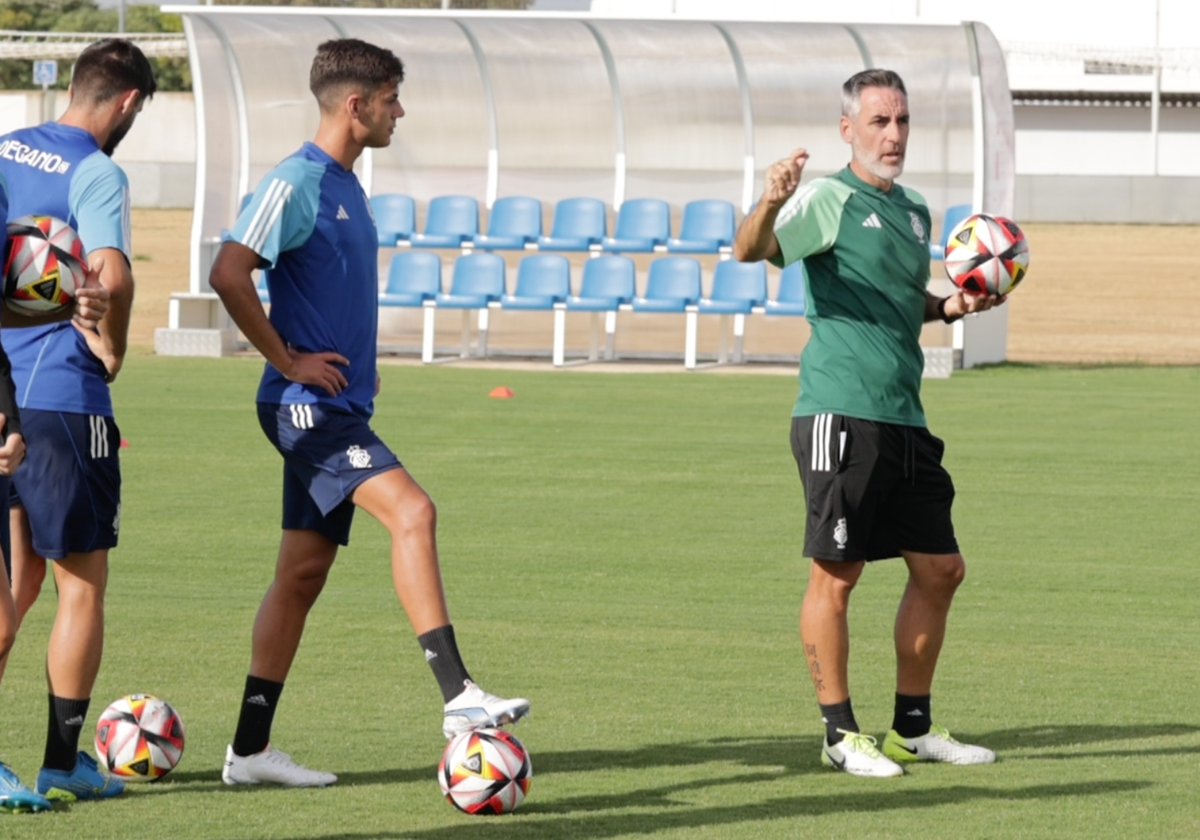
[(1106, 105), (1106, 100)]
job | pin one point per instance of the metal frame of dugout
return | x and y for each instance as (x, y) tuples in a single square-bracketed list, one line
[(558, 105)]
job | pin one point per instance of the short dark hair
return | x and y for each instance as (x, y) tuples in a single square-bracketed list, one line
[(349, 62), (109, 68), (854, 86)]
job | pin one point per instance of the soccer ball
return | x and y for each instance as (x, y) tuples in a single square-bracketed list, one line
[(43, 265), (139, 738), (987, 255), (485, 771)]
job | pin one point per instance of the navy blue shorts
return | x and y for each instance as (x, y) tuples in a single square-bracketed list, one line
[(69, 482), (326, 455)]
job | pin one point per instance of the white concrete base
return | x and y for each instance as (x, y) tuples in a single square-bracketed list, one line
[(194, 342), (939, 362)]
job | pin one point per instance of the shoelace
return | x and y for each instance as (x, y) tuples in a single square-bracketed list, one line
[(861, 743)]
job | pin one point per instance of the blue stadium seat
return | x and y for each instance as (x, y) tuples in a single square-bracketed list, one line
[(543, 284), (642, 225), (476, 284), (738, 288), (791, 298), (950, 221), (672, 285), (413, 278), (708, 226), (609, 283), (542, 281), (513, 223), (579, 224), (395, 218), (452, 221)]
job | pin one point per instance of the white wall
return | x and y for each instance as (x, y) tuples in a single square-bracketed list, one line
[(158, 154)]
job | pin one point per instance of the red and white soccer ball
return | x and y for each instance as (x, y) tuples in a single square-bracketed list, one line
[(486, 771), (139, 738), (987, 255), (44, 264)]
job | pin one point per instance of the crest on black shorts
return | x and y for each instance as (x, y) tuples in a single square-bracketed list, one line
[(841, 534)]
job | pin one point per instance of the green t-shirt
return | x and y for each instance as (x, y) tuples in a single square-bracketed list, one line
[(866, 253)]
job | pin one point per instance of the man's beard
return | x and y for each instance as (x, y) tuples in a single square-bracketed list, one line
[(874, 165), (114, 139)]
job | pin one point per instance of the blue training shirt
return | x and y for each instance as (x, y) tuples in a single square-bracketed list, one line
[(59, 170), (311, 224)]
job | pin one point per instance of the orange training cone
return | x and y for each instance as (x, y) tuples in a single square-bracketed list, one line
[(501, 393)]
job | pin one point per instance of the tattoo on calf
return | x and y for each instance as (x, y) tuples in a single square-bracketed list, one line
[(814, 666)]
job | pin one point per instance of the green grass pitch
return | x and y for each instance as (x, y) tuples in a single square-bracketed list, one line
[(624, 550)]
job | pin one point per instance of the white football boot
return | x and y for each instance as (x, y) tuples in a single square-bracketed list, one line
[(858, 755), (937, 745), (273, 767), (474, 708)]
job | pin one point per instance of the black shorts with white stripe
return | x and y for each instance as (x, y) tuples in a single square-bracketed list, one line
[(872, 490), (69, 482)]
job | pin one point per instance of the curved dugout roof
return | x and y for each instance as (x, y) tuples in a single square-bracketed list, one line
[(557, 105)]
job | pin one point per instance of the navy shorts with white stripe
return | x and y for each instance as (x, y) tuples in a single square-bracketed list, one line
[(326, 454), (69, 482)]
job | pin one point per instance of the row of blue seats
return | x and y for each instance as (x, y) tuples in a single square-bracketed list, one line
[(608, 286), (608, 282), (643, 225), (580, 224)]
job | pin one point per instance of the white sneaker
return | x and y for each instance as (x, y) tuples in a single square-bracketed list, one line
[(857, 754), (474, 708), (937, 745), (272, 766)]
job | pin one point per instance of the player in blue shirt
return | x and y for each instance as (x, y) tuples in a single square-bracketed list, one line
[(67, 491), (310, 226), (14, 796)]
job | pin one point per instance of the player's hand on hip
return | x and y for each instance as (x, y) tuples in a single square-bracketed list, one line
[(112, 365), (91, 299), (783, 177), (320, 369), (12, 453)]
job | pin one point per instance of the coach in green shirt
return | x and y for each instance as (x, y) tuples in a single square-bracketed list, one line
[(872, 473)]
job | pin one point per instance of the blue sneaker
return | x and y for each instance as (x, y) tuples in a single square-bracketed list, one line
[(15, 798), (84, 782)]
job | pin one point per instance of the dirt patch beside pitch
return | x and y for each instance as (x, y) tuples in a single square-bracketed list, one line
[(1095, 294)]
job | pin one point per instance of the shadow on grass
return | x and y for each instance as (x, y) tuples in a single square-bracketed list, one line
[(1075, 735), (793, 754), (683, 817)]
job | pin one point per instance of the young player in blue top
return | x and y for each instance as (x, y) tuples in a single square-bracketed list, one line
[(14, 796), (67, 492), (309, 225)]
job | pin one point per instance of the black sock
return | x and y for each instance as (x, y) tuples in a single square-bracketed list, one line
[(911, 718), (838, 716), (62, 732), (258, 713), (441, 652)]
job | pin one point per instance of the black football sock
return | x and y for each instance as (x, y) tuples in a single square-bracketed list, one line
[(62, 732), (911, 718), (441, 652), (838, 716), (258, 713)]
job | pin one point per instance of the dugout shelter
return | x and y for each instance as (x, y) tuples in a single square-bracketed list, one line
[(565, 105)]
